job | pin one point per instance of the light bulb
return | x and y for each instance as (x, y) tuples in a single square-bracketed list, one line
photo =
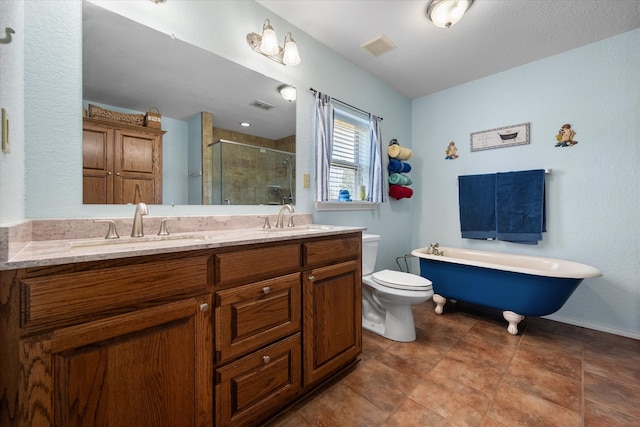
[(290, 55), (269, 44), (445, 13)]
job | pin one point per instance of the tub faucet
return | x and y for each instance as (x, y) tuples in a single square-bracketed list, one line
[(137, 230), (433, 249), (280, 221)]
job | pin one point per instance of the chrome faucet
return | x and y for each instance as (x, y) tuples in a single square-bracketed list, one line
[(137, 230), (433, 250), (280, 221)]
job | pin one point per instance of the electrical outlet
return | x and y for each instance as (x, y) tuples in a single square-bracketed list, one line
[(5, 132), (306, 180)]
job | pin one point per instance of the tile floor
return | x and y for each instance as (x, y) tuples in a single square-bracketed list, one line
[(465, 369)]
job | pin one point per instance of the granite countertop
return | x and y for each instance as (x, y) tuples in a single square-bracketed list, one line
[(64, 251)]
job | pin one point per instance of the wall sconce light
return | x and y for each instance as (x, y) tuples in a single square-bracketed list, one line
[(267, 44), (288, 92), (445, 13)]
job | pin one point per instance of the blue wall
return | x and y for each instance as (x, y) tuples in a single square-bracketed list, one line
[(12, 178), (593, 189)]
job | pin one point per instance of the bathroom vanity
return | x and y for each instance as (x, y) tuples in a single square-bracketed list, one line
[(218, 332)]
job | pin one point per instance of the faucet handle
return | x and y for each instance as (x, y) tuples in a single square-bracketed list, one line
[(266, 224), (142, 208), (291, 224), (113, 231), (163, 227)]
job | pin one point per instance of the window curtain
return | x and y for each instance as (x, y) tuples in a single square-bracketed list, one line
[(376, 190), (324, 145)]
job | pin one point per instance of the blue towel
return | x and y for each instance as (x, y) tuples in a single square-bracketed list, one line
[(396, 166), (520, 208), (477, 199)]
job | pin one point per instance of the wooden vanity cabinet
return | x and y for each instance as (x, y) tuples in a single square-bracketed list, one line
[(257, 329), (118, 343), (224, 337), (133, 369), (266, 357), (332, 294), (121, 163)]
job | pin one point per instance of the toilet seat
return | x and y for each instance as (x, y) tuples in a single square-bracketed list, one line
[(401, 280)]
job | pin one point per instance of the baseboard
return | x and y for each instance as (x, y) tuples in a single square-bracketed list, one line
[(609, 330)]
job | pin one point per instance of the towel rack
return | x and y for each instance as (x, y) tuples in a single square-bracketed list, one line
[(406, 263), (546, 171)]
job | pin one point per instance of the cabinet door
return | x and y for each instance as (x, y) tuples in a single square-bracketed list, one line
[(332, 319), (97, 164), (151, 367), (138, 167)]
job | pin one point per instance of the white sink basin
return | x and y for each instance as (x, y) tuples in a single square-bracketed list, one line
[(135, 242)]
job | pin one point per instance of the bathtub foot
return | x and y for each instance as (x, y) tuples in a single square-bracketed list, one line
[(513, 319), (440, 301)]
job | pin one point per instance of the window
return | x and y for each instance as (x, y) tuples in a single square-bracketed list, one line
[(350, 157)]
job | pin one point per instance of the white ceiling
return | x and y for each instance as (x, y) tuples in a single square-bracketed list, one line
[(493, 36)]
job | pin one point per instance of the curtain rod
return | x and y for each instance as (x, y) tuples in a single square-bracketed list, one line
[(344, 103)]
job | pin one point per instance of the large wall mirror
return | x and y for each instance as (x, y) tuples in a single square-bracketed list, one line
[(208, 157)]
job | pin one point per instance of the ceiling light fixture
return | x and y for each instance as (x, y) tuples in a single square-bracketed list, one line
[(288, 92), (445, 13), (267, 44)]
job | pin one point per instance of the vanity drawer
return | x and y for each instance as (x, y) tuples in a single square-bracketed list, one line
[(251, 316), (325, 252), (258, 385), (57, 300), (256, 264)]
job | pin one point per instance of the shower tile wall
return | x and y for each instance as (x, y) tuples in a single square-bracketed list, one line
[(250, 176)]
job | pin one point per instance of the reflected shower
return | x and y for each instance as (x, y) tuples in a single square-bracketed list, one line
[(287, 163)]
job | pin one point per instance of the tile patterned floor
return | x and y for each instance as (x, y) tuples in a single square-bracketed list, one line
[(465, 369)]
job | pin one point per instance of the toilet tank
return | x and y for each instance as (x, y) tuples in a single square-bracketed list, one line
[(369, 253)]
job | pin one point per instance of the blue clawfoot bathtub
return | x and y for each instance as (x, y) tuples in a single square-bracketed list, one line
[(518, 285)]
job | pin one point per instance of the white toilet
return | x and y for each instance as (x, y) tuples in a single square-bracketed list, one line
[(387, 296)]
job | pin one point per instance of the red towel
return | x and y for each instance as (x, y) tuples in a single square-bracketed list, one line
[(399, 192)]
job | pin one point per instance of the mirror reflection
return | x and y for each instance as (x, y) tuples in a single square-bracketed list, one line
[(205, 155), (246, 171)]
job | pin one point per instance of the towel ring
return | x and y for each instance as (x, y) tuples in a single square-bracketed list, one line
[(7, 39)]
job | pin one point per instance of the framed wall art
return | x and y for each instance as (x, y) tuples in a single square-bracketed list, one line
[(507, 136)]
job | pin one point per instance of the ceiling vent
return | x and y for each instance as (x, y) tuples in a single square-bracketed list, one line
[(262, 105), (379, 45)]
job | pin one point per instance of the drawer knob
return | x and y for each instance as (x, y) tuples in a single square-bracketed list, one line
[(266, 290), (312, 278), (204, 307), (266, 359)]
